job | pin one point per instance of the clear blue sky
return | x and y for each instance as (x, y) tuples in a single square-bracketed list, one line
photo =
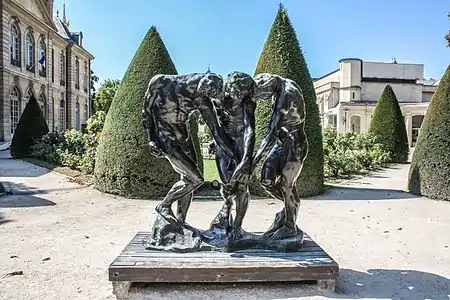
[(230, 34)]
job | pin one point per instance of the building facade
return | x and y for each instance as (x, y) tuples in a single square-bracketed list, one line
[(40, 56), (347, 96)]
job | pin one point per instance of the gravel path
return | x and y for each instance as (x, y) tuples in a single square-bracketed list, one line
[(389, 244)]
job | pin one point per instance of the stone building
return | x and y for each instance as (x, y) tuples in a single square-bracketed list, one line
[(43, 58), (347, 96)]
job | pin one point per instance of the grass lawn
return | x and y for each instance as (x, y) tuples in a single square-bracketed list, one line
[(210, 170)]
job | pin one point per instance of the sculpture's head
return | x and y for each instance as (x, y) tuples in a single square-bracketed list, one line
[(210, 85), (239, 85), (266, 85)]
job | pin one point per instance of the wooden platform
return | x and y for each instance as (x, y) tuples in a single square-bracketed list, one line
[(136, 264)]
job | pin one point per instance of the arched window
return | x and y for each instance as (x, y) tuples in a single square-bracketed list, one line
[(14, 97), (85, 111), (29, 52), (77, 115), (62, 68), (42, 57), (85, 76), (62, 113), (43, 105), (77, 73), (15, 45)]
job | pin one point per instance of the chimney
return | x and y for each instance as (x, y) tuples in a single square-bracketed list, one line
[(49, 4)]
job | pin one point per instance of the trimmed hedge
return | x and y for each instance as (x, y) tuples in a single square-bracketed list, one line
[(283, 56), (31, 127), (124, 165), (389, 126), (429, 174)]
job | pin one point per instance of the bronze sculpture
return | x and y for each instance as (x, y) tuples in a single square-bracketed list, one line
[(236, 112), (285, 147), (229, 112)]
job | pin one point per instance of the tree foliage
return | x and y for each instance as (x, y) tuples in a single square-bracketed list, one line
[(389, 126), (283, 56), (447, 36), (124, 164), (31, 127), (429, 174), (105, 95)]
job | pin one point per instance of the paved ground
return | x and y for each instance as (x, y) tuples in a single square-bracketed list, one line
[(389, 244)]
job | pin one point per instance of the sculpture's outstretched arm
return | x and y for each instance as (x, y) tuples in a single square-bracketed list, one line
[(244, 170), (279, 109), (148, 120), (208, 113)]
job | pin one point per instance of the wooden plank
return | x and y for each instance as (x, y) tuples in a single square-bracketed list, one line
[(251, 274), (135, 264)]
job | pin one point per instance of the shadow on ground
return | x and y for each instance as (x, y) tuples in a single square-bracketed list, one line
[(11, 169), (17, 188), (376, 284), (393, 284), (24, 201), (364, 194), (4, 220)]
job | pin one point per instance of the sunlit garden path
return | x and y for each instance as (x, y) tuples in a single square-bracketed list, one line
[(389, 244)]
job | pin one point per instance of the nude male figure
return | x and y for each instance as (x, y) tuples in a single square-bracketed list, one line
[(169, 103), (284, 149), (236, 112)]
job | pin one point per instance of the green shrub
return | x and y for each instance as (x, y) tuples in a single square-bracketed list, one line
[(95, 123), (429, 174), (71, 149), (283, 56), (124, 164), (350, 153), (389, 126), (31, 127)]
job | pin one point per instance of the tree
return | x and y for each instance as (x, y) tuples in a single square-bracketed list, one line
[(389, 126), (447, 36), (93, 80), (31, 127), (105, 95), (429, 174), (124, 165), (283, 56)]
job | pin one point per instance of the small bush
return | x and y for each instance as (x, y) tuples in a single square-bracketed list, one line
[(350, 153), (70, 149), (31, 127), (95, 123)]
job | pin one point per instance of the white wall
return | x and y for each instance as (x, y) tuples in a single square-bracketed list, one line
[(405, 92), (390, 70)]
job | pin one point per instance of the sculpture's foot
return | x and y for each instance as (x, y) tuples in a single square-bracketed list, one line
[(277, 224), (237, 234), (283, 233), (223, 220), (167, 213)]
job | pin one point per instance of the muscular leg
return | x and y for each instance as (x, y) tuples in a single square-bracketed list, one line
[(191, 179), (271, 183), (292, 165), (223, 218), (241, 200), (184, 203)]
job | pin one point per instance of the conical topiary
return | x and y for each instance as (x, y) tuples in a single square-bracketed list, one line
[(31, 127), (283, 56), (124, 165), (389, 126), (429, 174)]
